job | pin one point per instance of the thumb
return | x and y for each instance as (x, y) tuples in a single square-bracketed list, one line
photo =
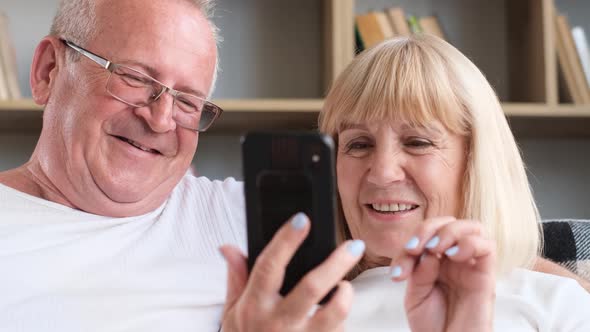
[(422, 281), (237, 275)]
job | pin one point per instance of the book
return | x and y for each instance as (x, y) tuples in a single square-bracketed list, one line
[(8, 59), (569, 63), (397, 18), (581, 43), (373, 28), (4, 93), (431, 25), (414, 24)]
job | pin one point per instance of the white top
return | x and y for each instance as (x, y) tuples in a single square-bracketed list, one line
[(69, 271), (525, 301)]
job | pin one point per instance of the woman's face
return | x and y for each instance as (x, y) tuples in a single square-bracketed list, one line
[(392, 176)]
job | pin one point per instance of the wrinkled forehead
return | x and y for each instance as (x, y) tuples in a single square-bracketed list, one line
[(172, 37)]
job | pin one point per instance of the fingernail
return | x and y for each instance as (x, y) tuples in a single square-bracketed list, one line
[(396, 271), (422, 257), (452, 251), (299, 221), (432, 243), (413, 243), (356, 247)]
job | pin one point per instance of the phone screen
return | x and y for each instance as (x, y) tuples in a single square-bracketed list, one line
[(282, 194), (286, 173)]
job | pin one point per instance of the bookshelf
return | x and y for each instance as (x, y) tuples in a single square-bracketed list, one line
[(526, 119), (517, 54)]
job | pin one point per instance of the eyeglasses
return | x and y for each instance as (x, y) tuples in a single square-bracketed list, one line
[(137, 89)]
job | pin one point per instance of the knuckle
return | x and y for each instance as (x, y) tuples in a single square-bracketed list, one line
[(274, 326), (340, 309), (263, 267), (312, 287)]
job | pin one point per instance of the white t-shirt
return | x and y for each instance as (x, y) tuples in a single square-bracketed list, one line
[(525, 301), (69, 271)]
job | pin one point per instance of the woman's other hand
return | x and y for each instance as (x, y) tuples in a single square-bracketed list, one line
[(450, 269)]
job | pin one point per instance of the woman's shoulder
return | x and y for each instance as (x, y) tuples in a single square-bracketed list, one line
[(549, 300), (524, 281)]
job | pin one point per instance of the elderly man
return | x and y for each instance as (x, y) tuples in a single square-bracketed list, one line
[(102, 230)]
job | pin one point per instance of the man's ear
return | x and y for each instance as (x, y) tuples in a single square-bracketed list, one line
[(47, 62)]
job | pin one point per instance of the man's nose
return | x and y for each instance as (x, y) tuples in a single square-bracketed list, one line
[(159, 114), (387, 166)]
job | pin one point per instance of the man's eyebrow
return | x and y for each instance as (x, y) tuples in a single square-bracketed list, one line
[(153, 72)]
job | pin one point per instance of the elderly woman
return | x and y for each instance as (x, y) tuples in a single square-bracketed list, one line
[(430, 177), (434, 196)]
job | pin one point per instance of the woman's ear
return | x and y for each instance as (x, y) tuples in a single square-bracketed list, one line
[(46, 64)]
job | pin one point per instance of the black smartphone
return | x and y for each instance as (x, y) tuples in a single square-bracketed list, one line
[(286, 173)]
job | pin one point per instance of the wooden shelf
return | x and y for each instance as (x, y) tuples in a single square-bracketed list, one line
[(526, 119), (25, 117), (546, 121)]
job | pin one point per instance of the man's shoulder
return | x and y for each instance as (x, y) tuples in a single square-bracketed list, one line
[(207, 193), (229, 186)]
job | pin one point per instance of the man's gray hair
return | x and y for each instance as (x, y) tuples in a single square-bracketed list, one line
[(76, 21)]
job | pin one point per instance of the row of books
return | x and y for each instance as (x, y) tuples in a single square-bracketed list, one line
[(572, 47), (376, 26), (9, 88), (574, 60)]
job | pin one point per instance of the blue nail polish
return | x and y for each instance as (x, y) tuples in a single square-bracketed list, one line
[(356, 248), (413, 243), (299, 221), (452, 251), (395, 272), (432, 243)]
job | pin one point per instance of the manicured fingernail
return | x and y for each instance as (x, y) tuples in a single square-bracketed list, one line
[(413, 243), (299, 221), (396, 271), (422, 257), (432, 243), (452, 251), (356, 247)]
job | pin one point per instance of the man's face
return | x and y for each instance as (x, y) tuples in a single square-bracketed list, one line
[(110, 158)]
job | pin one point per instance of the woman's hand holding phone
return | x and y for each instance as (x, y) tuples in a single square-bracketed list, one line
[(254, 303)]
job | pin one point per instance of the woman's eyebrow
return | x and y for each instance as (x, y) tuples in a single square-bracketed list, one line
[(433, 128), (347, 126)]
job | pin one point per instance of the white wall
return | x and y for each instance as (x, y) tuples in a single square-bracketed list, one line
[(559, 169)]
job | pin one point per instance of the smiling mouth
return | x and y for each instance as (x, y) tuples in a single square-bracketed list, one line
[(391, 208), (137, 145)]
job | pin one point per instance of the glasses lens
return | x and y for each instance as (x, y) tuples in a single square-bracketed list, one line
[(137, 89), (131, 86), (195, 113)]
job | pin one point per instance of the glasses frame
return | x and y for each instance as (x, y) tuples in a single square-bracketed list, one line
[(111, 66)]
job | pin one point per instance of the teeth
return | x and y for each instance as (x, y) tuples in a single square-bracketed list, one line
[(392, 207), (135, 144)]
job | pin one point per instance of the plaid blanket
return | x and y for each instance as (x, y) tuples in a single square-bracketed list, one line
[(567, 242)]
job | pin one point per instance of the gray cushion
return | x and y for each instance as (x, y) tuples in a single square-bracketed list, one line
[(567, 242)]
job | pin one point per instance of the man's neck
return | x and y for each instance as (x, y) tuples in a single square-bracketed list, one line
[(30, 179)]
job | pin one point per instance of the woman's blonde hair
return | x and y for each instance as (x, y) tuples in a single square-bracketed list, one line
[(420, 79)]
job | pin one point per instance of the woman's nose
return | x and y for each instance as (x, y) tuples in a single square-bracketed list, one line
[(387, 166)]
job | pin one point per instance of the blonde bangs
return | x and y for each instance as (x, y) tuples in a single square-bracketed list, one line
[(412, 85)]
